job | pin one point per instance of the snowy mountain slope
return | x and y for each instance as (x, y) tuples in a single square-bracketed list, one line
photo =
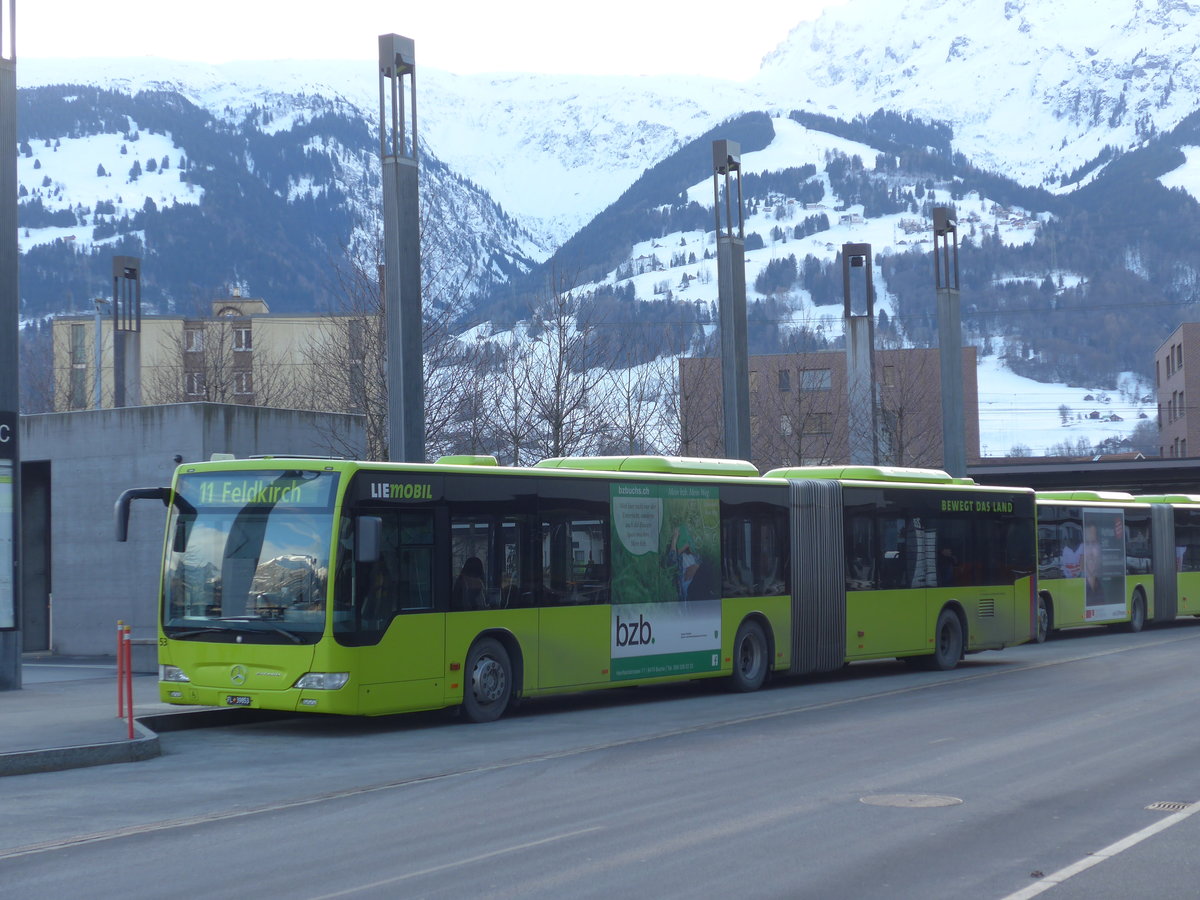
[(552, 151), (1033, 89), (101, 171), (1015, 411), (1187, 176)]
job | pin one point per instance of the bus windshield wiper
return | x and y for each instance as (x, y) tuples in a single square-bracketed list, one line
[(192, 632), (290, 635)]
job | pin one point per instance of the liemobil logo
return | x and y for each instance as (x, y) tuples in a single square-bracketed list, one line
[(382, 490), (238, 674), (634, 634)]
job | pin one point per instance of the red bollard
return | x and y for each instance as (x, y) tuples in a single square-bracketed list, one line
[(120, 669), (128, 647)]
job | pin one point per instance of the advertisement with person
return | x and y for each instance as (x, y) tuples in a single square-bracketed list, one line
[(666, 609), (1104, 564)]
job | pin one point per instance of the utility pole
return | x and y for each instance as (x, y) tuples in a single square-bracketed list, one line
[(401, 249), (731, 297), (10, 395), (945, 277)]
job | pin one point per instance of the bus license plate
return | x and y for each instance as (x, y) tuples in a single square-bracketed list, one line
[(231, 700)]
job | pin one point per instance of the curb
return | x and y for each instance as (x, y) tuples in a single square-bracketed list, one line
[(144, 746), (54, 759)]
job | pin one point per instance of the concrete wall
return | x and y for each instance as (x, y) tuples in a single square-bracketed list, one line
[(94, 455)]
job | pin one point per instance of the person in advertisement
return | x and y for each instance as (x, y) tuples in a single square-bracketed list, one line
[(1103, 559), (683, 558)]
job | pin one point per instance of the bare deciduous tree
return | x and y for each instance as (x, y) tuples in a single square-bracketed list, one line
[(347, 353), (567, 381), (508, 413)]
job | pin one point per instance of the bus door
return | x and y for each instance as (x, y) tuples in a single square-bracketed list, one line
[(389, 608), (575, 614), (889, 565), (981, 577)]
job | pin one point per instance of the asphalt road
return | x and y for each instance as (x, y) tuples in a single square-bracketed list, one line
[(873, 782)]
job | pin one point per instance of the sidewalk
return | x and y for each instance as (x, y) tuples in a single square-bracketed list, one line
[(65, 717)]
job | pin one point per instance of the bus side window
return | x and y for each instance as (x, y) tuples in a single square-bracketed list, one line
[(861, 568), (400, 579), (575, 563), (737, 574), (474, 583), (1187, 540), (512, 559)]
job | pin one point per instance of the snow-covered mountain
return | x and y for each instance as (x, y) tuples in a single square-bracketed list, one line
[(1060, 130), (551, 150), (1033, 88)]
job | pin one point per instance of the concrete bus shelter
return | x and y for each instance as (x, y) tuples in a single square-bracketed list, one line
[(77, 580)]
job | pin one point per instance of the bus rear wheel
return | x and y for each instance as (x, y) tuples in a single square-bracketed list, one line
[(489, 681), (749, 657), (947, 642), (1137, 614)]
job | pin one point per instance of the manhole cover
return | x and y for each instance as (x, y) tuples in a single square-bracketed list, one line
[(1168, 806), (910, 801)]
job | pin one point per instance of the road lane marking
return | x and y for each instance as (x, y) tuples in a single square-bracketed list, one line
[(1100, 856), (433, 870)]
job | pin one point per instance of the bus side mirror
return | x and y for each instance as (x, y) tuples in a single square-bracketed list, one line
[(121, 510), (368, 536)]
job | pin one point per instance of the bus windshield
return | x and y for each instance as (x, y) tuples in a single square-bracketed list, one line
[(248, 556)]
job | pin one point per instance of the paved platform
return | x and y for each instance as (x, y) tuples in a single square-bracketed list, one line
[(65, 716)]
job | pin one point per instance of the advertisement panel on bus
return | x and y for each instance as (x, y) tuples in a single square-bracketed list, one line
[(666, 607)]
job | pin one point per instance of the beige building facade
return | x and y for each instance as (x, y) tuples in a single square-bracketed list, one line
[(799, 408), (240, 354)]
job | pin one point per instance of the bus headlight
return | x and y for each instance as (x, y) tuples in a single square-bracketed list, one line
[(323, 681), (172, 673)]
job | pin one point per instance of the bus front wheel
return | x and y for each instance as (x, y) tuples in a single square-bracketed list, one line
[(947, 642), (749, 657), (489, 686), (1044, 621)]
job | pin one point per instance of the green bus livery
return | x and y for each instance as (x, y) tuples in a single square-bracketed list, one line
[(375, 588), (1117, 559)]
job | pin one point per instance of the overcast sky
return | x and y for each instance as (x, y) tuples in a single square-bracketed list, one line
[(638, 37)]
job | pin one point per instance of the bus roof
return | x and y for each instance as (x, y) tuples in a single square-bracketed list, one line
[(869, 473), (467, 459), (658, 465), (1093, 496), (1170, 498)]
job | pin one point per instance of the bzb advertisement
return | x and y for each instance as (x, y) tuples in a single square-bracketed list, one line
[(666, 604)]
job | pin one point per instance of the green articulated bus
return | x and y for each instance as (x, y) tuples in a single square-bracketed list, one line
[(376, 588), (1112, 558)]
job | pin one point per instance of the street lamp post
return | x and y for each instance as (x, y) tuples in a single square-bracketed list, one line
[(731, 298), (127, 331), (10, 456), (97, 352), (945, 277), (402, 249), (862, 422)]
